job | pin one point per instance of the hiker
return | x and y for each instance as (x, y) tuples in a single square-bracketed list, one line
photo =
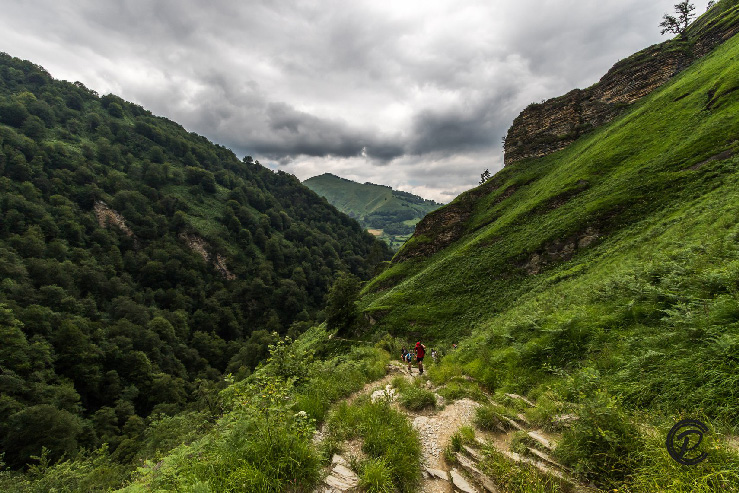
[(403, 352), (409, 359), (420, 353)]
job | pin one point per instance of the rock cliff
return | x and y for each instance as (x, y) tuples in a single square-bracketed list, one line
[(543, 128)]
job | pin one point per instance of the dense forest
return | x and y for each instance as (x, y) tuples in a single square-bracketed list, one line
[(139, 264)]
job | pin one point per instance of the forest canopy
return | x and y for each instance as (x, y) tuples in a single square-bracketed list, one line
[(139, 263)]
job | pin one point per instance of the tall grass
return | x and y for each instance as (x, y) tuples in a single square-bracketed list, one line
[(386, 436)]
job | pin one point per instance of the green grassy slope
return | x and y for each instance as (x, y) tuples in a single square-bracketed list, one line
[(618, 253), (374, 206)]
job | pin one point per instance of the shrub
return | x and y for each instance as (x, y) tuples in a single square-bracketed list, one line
[(455, 390), (415, 399), (386, 434), (603, 445), (516, 477), (489, 417)]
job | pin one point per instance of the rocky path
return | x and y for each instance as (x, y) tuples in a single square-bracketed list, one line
[(435, 429)]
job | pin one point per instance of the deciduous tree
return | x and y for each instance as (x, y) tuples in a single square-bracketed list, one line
[(678, 25)]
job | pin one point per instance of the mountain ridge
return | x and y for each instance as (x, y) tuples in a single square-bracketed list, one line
[(140, 263), (380, 208)]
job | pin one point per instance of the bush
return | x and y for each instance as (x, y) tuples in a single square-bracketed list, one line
[(489, 417), (603, 445), (415, 398), (455, 390), (386, 434), (515, 477), (659, 472)]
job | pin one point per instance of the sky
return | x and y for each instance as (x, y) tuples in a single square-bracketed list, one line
[(412, 94)]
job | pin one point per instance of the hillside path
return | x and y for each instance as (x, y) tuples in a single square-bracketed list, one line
[(435, 429)]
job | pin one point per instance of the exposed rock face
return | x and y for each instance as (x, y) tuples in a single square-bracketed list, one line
[(108, 217), (200, 246), (560, 250), (544, 128), (442, 227)]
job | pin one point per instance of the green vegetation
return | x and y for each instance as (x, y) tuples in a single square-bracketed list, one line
[(518, 478), (413, 396), (140, 263), (261, 440), (376, 207), (388, 439), (601, 279)]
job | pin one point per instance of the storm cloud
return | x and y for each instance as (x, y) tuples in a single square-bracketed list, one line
[(412, 94)]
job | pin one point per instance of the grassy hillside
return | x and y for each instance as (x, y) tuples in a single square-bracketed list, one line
[(376, 207), (606, 274)]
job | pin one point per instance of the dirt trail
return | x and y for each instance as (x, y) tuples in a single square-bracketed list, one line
[(435, 431), (435, 428)]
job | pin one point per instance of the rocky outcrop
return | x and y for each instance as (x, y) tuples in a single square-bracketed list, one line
[(560, 250), (108, 217), (201, 247), (442, 227), (543, 128)]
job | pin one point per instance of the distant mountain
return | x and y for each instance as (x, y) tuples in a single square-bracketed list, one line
[(390, 214)]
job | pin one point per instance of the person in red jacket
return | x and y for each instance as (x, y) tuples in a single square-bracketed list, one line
[(420, 353)]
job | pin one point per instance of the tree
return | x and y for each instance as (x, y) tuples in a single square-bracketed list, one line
[(341, 310), (711, 5), (41, 426), (485, 176), (14, 348), (678, 25)]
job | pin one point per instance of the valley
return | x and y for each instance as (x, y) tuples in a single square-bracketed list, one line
[(175, 318)]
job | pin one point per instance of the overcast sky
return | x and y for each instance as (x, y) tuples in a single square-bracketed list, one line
[(412, 94)]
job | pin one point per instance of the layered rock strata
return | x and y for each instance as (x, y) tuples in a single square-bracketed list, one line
[(544, 128)]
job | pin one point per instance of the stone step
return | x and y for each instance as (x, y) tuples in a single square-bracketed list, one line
[(542, 440), (460, 483), (541, 466), (546, 458), (339, 483), (341, 478), (437, 473), (564, 420), (471, 467), (520, 398), (339, 459), (511, 423), (475, 454)]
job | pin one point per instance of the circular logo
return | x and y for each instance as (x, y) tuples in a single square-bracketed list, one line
[(683, 441)]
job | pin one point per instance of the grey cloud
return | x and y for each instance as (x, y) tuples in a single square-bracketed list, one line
[(414, 94)]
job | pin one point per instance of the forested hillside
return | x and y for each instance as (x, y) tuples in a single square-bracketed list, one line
[(392, 214), (139, 263)]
